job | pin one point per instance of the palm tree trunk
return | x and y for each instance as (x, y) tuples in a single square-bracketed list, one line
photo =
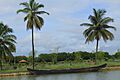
[(96, 51), (1, 64), (97, 45), (33, 51)]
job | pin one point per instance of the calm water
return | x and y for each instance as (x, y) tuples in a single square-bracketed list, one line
[(111, 75)]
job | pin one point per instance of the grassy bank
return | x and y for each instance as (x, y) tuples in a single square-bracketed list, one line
[(60, 65)]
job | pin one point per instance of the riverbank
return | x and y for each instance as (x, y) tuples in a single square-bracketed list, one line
[(27, 73), (14, 74), (111, 68)]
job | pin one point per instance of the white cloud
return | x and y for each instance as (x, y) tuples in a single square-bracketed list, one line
[(110, 2), (61, 26)]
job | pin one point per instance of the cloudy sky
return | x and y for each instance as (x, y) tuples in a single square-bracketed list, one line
[(62, 27)]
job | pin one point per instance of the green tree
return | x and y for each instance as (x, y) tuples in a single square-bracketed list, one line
[(98, 27), (54, 58), (77, 56), (33, 18), (7, 42), (101, 55), (19, 58), (117, 55)]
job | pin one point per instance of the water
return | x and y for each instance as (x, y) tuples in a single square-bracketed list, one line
[(111, 75)]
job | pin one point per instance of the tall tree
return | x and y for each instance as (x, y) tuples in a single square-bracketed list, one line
[(7, 42), (98, 27), (33, 18)]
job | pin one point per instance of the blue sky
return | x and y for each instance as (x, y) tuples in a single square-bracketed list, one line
[(62, 27)]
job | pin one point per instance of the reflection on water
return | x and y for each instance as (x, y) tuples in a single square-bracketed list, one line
[(112, 75)]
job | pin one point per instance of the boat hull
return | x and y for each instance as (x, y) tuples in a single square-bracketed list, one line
[(78, 70)]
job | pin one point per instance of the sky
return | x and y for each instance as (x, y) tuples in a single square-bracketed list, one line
[(62, 27)]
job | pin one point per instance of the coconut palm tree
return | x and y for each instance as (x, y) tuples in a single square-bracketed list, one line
[(31, 9), (7, 42), (98, 27)]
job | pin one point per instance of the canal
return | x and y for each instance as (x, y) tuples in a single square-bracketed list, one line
[(108, 75)]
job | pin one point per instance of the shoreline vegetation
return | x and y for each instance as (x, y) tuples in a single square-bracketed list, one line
[(27, 73), (19, 72), (60, 61)]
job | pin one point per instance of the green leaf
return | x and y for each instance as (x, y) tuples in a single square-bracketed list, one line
[(42, 12)]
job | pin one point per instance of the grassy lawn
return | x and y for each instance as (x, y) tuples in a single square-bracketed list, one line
[(60, 65), (63, 65)]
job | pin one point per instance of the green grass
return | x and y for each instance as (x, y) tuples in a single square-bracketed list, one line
[(60, 65), (12, 71), (63, 65)]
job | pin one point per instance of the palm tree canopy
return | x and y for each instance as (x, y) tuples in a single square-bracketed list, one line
[(31, 8), (98, 26), (7, 41)]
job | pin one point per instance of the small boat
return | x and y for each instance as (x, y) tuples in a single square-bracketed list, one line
[(56, 71)]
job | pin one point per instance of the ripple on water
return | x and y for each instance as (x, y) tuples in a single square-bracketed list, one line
[(109, 75)]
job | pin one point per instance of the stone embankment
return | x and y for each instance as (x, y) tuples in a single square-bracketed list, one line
[(14, 74)]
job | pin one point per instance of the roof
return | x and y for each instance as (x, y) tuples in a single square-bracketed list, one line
[(22, 61)]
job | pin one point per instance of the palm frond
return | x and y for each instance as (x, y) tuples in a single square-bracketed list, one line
[(7, 51), (88, 31), (5, 30), (25, 10), (31, 2), (40, 6), (10, 36), (25, 4), (101, 12), (104, 35), (106, 20), (107, 26), (109, 34), (29, 24), (95, 13), (42, 12), (86, 24), (26, 17), (37, 6), (38, 22), (93, 20)]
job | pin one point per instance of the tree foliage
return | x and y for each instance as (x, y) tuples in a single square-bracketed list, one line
[(98, 27), (7, 42)]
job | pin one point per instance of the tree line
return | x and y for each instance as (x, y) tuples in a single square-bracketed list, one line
[(67, 56)]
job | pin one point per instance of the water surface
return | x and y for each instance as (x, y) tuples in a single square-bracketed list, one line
[(111, 75)]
